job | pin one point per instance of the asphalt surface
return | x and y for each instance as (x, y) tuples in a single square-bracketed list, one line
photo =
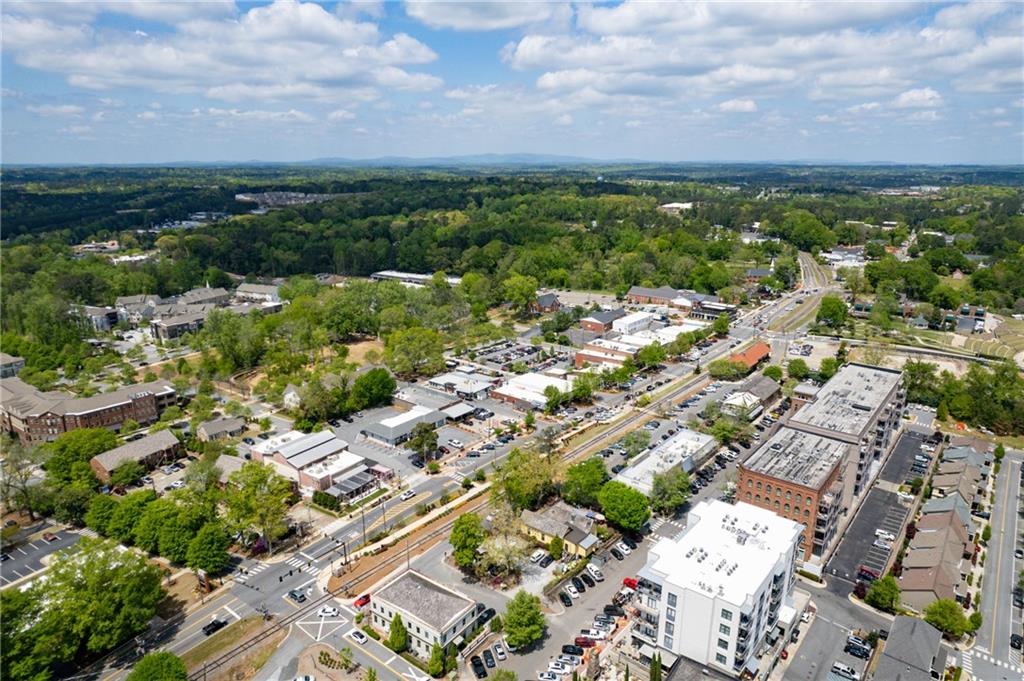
[(26, 557)]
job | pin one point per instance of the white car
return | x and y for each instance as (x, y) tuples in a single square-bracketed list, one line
[(621, 546), (595, 634), (571, 590), (547, 676), (806, 616), (570, 660), (358, 636), (557, 667), (882, 544), (177, 484), (887, 536), (499, 651), (328, 611), (407, 495), (455, 443)]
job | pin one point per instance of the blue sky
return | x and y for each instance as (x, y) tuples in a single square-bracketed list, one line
[(124, 81)]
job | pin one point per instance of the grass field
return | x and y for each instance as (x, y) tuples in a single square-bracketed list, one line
[(224, 639)]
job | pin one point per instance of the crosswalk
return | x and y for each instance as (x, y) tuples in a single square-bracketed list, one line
[(658, 522), (967, 662), (301, 565), (251, 572), (86, 532)]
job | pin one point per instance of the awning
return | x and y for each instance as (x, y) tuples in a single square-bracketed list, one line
[(646, 650), (457, 411)]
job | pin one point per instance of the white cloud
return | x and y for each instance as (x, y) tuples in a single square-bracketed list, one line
[(564, 119), (489, 15), (825, 118), (147, 116), (738, 106), (339, 115), (920, 98), (56, 110), (271, 52), (864, 108), (925, 116), (289, 116), (76, 130)]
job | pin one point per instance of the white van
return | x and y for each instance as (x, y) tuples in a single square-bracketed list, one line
[(595, 572), (537, 555), (845, 671)]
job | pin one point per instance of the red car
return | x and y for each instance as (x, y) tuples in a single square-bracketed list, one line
[(629, 581), (584, 642), (49, 537), (362, 601)]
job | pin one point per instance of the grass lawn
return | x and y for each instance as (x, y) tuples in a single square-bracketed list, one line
[(223, 640)]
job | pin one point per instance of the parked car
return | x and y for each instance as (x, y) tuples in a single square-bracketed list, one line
[(362, 601), (572, 650), (588, 580), (621, 546), (617, 554), (547, 676), (845, 671), (572, 590), (629, 542), (328, 611), (488, 658), (358, 636), (213, 626), (585, 642), (297, 596), (578, 583), (857, 651), (546, 560), (594, 634), (564, 597), (1016, 641), (478, 667)]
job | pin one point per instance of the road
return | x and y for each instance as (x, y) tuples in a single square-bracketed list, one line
[(1001, 570)]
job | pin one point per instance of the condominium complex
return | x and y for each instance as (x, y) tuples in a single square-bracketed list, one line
[(815, 468), (40, 416), (720, 593)]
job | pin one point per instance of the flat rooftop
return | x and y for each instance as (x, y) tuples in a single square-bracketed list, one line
[(428, 601), (798, 457), (726, 550), (850, 400)]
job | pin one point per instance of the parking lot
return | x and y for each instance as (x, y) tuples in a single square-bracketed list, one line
[(902, 467), (24, 558), (880, 510)]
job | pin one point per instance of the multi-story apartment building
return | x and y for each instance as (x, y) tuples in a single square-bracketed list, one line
[(36, 416), (720, 593), (816, 468)]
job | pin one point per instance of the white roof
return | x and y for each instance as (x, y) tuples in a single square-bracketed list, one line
[(726, 550), (530, 387), (336, 464), (398, 419), (676, 452), (741, 400), (632, 318), (606, 344)]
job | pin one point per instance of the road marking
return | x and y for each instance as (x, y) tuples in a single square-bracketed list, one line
[(307, 556), (306, 583), (22, 551), (393, 658), (232, 612)]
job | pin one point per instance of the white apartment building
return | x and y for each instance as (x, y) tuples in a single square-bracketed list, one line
[(631, 323), (686, 450), (721, 592)]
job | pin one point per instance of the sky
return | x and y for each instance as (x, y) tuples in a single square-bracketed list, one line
[(133, 81)]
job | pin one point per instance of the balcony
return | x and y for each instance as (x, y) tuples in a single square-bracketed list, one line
[(744, 618), (647, 605), (646, 634)]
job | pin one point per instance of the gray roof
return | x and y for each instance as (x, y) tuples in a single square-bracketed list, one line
[(547, 299), (849, 402), (760, 386), (909, 652), (199, 295), (951, 503), (606, 316), (795, 456), (265, 289), (228, 464), (23, 399), (560, 520), (666, 292), (424, 599), (138, 450), (314, 447), (759, 272), (968, 454), (426, 397), (6, 359), (224, 425)]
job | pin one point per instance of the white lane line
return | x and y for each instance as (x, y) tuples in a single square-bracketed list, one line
[(306, 583), (306, 556), (232, 612)]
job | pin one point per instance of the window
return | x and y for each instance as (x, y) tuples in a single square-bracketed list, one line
[(759, 484), (757, 498), (670, 614), (778, 491), (724, 629), (672, 600), (719, 658), (670, 628), (668, 642), (723, 644), (787, 508), (727, 615), (748, 496), (789, 495), (776, 506), (768, 489), (798, 497), (806, 513)]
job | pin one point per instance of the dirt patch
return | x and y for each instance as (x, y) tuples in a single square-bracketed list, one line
[(181, 593), (310, 664), (357, 351)]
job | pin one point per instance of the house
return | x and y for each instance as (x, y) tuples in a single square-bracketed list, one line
[(600, 321), (134, 309), (742, 405), (10, 365), (687, 449), (763, 388), (204, 295), (317, 461), (756, 274), (752, 356), (546, 302), (220, 428), (575, 526), (952, 504), (912, 652), (258, 293), (467, 384), (675, 208), (100, 319), (169, 328), (641, 295), (921, 587), (526, 391), (431, 612), (411, 279), (148, 451), (291, 398)]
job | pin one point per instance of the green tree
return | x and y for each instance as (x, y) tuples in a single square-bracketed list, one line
[(451, 660), (466, 537), (131, 508), (829, 367), (942, 412), (151, 523), (529, 420), (1000, 452), (555, 547), (76, 447), (798, 369), (974, 622), (257, 498), (727, 369), (370, 674), (524, 621), (101, 510), (505, 675), (651, 355), (583, 481), (423, 441), (398, 636), (520, 292), (208, 550), (129, 426), (159, 666), (884, 594), (670, 491), (414, 351), (436, 665), (71, 503), (947, 616), (127, 474), (372, 388), (832, 312), (18, 463), (635, 442), (526, 478), (496, 624), (721, 325), (623, 506), (773, 372), (656, 669)]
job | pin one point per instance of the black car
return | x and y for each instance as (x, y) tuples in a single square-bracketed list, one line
[(214, 626), (614, 610), (857, 651), (578, 583), (588, 580), (417, 463), (564, 597), (618, 554), (1016, 641), (546, 560), (478, 667), (488, 614), (618, 468), (570, 649), (489, 658)]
